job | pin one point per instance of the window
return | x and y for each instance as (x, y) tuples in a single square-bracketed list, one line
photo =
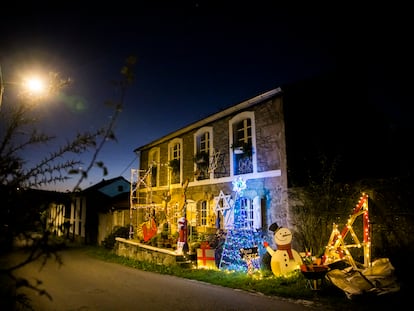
[(175, 161), (203, 142), (203, 213), (247, 208), (154, 170), (242, 132), (153, 160), (242, 143), (202, 153), (252, 212)]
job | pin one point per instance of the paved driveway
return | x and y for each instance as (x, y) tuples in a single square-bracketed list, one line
[(85, 283)]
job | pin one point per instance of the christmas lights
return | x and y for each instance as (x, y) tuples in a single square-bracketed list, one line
[(337, 249), (240, 249)]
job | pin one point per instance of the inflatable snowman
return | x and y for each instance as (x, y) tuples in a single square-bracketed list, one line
[(284, 259)]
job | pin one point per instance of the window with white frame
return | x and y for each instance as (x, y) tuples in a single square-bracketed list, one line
[(203, 213), (203, 142), (242, 140), (153, 160), (175, 160), (202, 150), (248, 210), (252, 212)]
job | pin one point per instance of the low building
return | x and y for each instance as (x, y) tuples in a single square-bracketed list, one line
[(97, 210)]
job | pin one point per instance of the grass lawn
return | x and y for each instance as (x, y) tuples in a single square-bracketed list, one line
[(327, 297)]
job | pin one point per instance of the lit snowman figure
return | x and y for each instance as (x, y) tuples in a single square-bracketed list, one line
[(284, 259)]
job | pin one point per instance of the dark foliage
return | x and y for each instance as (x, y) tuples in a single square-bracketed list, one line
[(120, 232), (347, 122)]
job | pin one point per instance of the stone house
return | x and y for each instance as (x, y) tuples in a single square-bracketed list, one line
[(191, 171)]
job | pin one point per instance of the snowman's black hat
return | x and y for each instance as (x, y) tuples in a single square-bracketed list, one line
[(273, 227)]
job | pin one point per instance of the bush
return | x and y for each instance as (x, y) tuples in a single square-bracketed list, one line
[(121, 232)]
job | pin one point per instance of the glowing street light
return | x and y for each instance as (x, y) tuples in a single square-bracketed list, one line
[(35, 86), (32, 86)]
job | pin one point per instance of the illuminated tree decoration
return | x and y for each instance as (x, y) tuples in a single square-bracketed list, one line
[(239, 185), (242, 239)]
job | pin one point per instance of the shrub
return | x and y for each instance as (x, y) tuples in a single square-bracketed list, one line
[(121, 232)]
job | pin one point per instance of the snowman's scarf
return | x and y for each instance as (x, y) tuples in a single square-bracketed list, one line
[(286, 247)]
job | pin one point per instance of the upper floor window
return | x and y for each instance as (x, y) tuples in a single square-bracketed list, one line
[(202, 153), (174, 156), (153, 160), (203, 142), (242, 143)]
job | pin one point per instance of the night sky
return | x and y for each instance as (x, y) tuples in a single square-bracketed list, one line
[(194, 60)]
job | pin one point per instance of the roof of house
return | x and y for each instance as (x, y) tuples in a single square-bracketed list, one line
[(102, 200), (104, 183), (225, 112)]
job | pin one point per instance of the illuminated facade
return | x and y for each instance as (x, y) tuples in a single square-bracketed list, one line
[(185, 172)]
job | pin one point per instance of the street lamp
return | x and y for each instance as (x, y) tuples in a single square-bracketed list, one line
[(34, 86)]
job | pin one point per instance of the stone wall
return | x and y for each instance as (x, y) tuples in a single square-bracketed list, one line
[(143, 252)]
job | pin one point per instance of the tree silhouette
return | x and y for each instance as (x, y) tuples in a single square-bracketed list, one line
[(19, 131)]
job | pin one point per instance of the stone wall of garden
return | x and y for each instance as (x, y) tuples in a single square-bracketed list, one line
[(142, 252)]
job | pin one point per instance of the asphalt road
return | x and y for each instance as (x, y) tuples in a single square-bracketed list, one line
[(85, 283)]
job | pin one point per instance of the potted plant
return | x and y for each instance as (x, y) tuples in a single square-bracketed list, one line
[(154, 240), (174, 165), (242, 148), (201, 158)]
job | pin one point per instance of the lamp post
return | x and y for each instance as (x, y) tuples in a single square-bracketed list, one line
[(34, 86), (30, 86)]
